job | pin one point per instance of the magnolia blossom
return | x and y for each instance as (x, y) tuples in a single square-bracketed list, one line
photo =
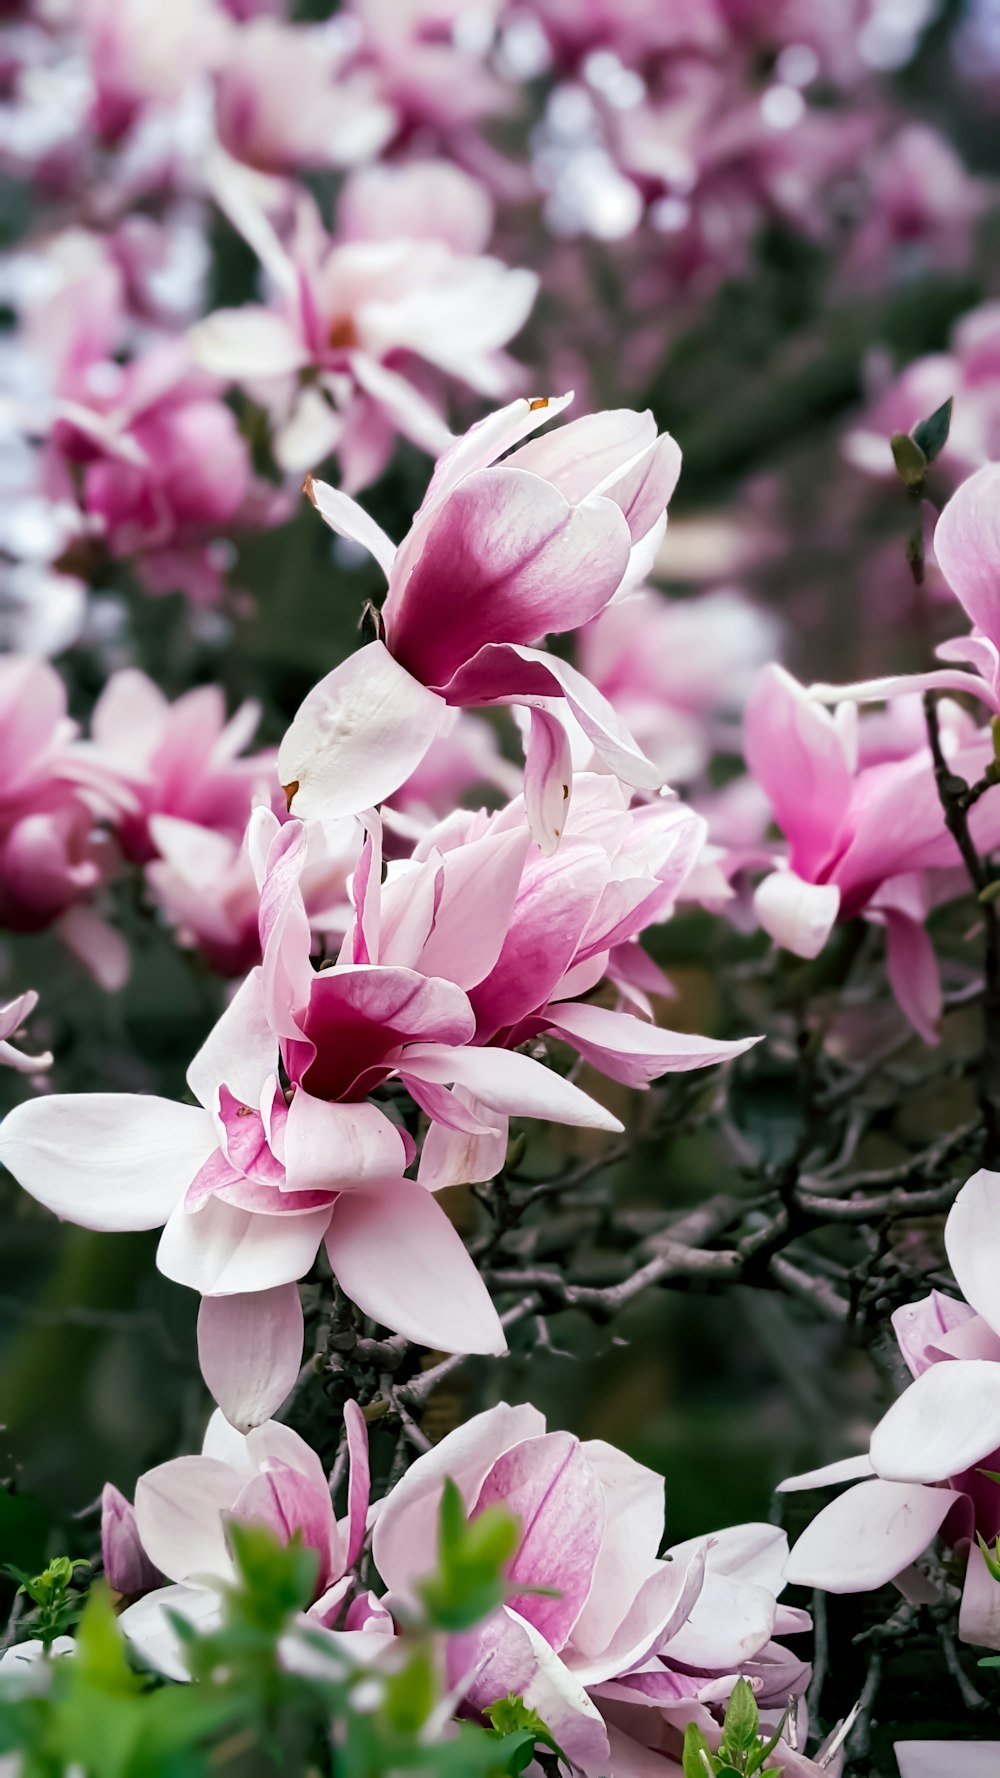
[(269, 1476), (142, 53), (56, 792), (12, 1017), (621, 1647), (528, 935), (865, 829), (924, 1474), (960, 1759), (498, 555), (283, 100), (183, 760), (369, 315)]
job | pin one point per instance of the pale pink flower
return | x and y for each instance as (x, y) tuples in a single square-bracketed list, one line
[(269, 1476), (969, 374), (923, 1474), (145, 54), (374, 316), (55, 793), (283, 100), (622, 1627)]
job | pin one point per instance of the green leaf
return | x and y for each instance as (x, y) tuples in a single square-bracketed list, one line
[(510, 1715), (760, 1754), (101, 1657), (992, 1560), (911, 463), (931, 435), (697, 1759), (741, 1728), (468, 1583)]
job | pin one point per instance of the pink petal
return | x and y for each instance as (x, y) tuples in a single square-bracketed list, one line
[(914, 976), (406, 1526), (797, 754), (867, 1535), (225, 1251), (241, 1049), (972, 1241), (632, 1051), (248, 342), (445, 1107), (510, 1657), (106, 1160), (480, 883), (550, 1487), (847, 1469), (358, 1482), (410, 412), (508, 1082), (901, 685), (127, 1568), (350, 520), (451, 1157), (967, 547), (484, 442), (979, 1613), (944, 1423), (179, 1509), (357, 736), (633, 1533), (729, 1623), (557, 901), (285, 939), (360, 1014), (250, 1351), (798, 916), (330, 1147), (506, 560), (661, 1607), (395, 1253), (548, 777), (587, 455), (286, 1501), (919, 1328)]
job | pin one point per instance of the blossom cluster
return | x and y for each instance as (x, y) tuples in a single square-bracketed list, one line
[(282, 275)]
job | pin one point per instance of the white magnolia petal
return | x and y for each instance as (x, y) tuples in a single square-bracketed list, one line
[(106, 1160)]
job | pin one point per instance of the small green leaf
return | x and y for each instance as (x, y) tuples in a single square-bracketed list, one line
[(697, 1759), (911, 463), (740, 1730), (992, 1560), (931, 435)]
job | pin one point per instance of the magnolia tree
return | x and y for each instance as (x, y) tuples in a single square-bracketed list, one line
[(493, 1028)]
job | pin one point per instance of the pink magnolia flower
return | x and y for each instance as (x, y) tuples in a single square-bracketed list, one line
[(283, 100), (142, 54), (527, 935), (923, 207), (923, 1474), (862, 835), (269, 1476), (619, 1623), (127, 1568), (498, 555), (12, 1017), (430, 58), (251, 1185), (373, 317), (184, 759), (55, 793)]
